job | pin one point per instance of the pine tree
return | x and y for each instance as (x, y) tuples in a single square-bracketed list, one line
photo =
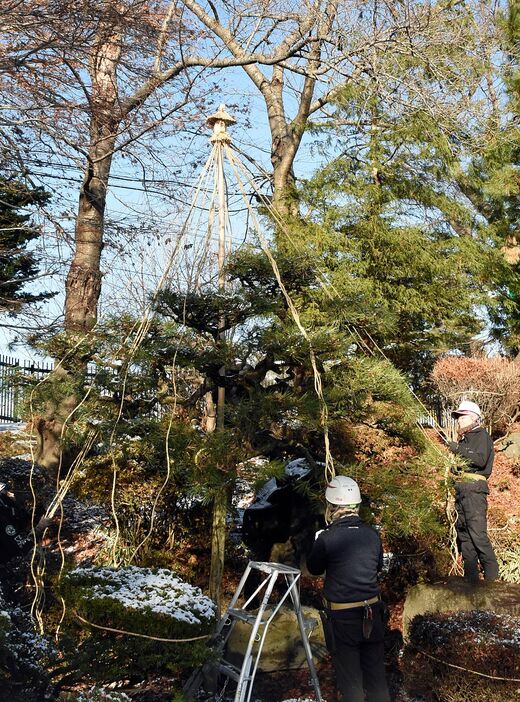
[(403, 254), (18, 266), (492, 185)]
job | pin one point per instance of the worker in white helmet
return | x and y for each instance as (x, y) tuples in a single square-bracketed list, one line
[(471, 491), (349, 551)]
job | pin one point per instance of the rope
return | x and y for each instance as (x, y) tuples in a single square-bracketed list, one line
[(134, 633), (318, 385), (327, 286), (466, 670), (138, 332)]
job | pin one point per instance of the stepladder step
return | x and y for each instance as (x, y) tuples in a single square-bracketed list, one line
[(247, 616), (270, 568), (231, 671)]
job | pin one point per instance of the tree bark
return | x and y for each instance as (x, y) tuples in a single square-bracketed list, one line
[(218, 546), (83, 285)]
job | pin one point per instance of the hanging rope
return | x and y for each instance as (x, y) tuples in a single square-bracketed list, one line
[(331, 291), (318, 385)]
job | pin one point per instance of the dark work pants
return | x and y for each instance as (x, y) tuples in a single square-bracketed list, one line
[(475, 546), (359, 663)]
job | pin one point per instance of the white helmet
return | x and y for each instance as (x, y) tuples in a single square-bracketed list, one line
[(343, 491), (467, 407)]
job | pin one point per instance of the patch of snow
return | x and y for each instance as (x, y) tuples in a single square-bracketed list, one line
[(388, 559), (82, 517), (101, 694), (12, 426), (158, 591), (243, 494)]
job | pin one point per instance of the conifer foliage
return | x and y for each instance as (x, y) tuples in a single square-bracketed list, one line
[(18, 265)]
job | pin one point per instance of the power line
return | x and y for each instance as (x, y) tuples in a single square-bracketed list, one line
[(122, 177), (168, 196)]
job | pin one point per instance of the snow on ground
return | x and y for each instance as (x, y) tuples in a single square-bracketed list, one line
[(101, 694), (12, 426)]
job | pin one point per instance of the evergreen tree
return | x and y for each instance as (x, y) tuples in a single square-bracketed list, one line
[(413, 266), (402, 255), (492, 185), (18, 266)]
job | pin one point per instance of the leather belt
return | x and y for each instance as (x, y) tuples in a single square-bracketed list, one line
[(351, 605), (470, 477)]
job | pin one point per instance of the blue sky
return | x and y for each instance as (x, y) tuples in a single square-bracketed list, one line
[(157, 216)]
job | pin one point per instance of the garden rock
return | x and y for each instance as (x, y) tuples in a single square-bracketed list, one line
[(283, 647), (456, 594), (511, 445)]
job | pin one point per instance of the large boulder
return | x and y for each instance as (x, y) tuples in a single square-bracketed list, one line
[(283, 647), (456, 594), (511, 445)]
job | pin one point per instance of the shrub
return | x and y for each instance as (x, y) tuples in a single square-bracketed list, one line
[(478, 642), (24, 655), (507, 549), (494, 383), (153, 603)]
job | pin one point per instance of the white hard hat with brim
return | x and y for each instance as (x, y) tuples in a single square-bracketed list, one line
[(467, 407)]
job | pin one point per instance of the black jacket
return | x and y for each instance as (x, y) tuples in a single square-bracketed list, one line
[(350, 553), (477, 447), (14, 522)]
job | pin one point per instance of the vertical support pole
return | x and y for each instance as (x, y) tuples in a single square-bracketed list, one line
[(222, 219), (219, 121), (295, 596)]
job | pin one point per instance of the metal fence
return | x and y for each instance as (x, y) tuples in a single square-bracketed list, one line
[(12, 374), (11, 370)]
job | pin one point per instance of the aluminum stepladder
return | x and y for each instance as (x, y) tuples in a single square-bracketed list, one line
[(259, 621)]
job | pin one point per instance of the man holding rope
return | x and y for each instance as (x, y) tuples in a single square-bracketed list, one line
[(471, 491)]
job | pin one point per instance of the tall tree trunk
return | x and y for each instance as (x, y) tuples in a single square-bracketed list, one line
[(285, 141), (84, 279), (83, 286)]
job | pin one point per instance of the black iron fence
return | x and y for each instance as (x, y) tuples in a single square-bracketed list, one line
[(11, 370)]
